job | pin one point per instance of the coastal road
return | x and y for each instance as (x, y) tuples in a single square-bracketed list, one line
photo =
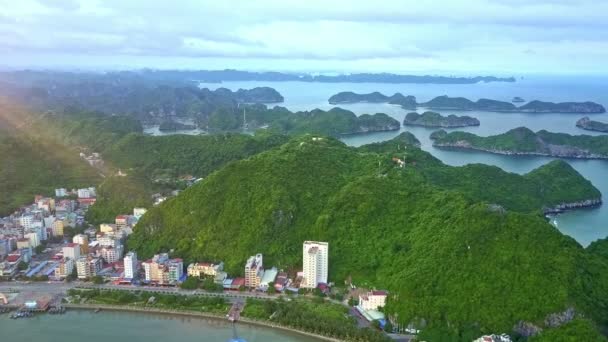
[(61, 288)]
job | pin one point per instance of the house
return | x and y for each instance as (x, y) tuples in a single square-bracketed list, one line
[(372, 300)]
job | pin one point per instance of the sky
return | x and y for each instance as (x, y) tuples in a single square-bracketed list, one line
[(459, 37)]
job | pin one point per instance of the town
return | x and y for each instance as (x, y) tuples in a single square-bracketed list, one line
[(49, 242)]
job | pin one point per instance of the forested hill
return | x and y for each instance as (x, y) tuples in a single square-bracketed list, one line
[(34, 162), (448, 256)]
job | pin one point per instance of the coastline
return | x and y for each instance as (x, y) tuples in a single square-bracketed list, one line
[(198, 314), (457, 146)]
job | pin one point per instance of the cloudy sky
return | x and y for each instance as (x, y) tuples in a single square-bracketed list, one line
[(421, 36)]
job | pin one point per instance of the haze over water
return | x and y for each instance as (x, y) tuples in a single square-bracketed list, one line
[(584, 225)]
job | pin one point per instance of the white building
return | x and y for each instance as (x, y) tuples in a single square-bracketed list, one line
[(372, 300), (26, 221), (72, 251), (139, 212), (130, 265), (202, 269), (64, 268), (315, 265), (86, 192), (34, 239), (61, 192)]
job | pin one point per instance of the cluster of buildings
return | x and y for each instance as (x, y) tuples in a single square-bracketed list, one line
[(37, 227), (24, 231)]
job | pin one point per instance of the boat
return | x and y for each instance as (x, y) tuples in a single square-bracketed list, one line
[(518, 99), (97, 310)]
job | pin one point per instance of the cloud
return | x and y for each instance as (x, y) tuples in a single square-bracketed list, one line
[(390, 33)]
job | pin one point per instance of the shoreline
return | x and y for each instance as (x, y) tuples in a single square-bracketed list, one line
[(125, 308), (454, 146)]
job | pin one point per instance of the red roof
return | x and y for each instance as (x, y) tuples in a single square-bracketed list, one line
[(379, 293), (13, 257), (238, 282), (72, 244), (122, 217)]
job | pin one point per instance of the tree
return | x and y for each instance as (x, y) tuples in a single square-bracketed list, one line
[(352, 301), (388, 327), (376, 324), (39, 249), (73, 275), (191, 283), (271, 288), (22, 266), (97, 280)]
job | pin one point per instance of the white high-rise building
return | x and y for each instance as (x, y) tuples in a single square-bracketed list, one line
[(130, 265), (72, 251), (315, 266)]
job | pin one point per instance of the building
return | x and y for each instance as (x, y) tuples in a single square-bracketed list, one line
[(111, 254), (64, 268), (107, 228), (88, 267), (83, 241), (162, 270), (372, 300), (34, 239), (86, 193), (204, 269), (314, 263), (130, 262), (175, 270), (26, 221), (23, 243), (139, 212), (268, 277), (121, 221), (107, 240), (61, 192), (57, 227), (254, 269), (72, 251)]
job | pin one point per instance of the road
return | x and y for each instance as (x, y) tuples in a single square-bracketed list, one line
[(61, 288)]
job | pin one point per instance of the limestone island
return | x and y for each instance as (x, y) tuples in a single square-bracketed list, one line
[(346, 97), (445, 102), (523, 141), (434, 119), (254, 95), (460, 103), (590, 125), (518, 99)]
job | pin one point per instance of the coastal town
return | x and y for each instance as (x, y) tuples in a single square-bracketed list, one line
[(47, 248)]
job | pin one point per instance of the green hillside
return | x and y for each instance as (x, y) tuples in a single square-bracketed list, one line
[(447, 256)]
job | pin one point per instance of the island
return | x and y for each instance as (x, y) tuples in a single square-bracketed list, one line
[(445, 102), (375, 97), (168, 126), (518, 99), (434, 119), (523, 141), (590, 125), (461, 103)]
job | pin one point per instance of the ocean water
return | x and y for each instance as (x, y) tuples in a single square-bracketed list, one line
[(76, 326), (584, 225)]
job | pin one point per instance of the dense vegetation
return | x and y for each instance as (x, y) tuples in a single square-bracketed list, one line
[(434, 119), (524, 141), (317, 317), (334, 122), (375, 97), (34, 162), (448, 257)]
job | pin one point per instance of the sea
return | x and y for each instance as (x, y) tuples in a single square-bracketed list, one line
[(77, 326)]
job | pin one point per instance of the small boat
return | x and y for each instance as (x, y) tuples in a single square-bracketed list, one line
[(97, 310)]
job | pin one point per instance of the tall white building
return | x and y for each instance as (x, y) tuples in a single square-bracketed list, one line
[(72, 251), (315, 266), (130, 265), (34, 239)]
